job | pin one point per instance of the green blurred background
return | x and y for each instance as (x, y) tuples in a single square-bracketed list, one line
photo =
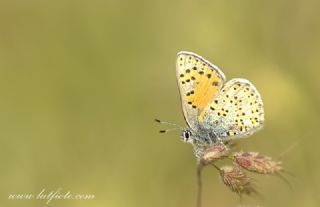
[(82, 81)]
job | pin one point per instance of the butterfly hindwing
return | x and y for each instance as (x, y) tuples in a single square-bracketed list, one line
[(236, 112), (199, 82)]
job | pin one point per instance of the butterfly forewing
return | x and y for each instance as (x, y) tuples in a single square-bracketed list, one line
[(199, 83)]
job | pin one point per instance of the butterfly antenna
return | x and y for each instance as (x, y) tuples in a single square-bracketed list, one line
[(168, 123), (168, 130)]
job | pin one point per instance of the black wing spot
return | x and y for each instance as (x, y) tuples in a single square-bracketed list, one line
[(215, 83)]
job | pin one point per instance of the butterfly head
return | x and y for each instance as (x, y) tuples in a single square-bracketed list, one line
[(186, 135)]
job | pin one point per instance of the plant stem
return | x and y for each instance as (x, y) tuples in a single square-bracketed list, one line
[(199, 179)]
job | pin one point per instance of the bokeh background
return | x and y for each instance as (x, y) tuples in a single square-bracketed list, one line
[(82, 81)]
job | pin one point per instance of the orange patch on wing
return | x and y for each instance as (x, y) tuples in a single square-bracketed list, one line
[(208, 94), (205, 91)]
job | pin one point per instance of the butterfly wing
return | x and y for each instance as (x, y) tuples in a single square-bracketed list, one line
[(199, 82), (236, 112)]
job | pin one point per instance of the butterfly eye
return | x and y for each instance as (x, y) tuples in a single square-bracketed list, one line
[(186, 134)]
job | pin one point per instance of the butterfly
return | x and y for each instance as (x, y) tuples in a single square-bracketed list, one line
[(215, 110)]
